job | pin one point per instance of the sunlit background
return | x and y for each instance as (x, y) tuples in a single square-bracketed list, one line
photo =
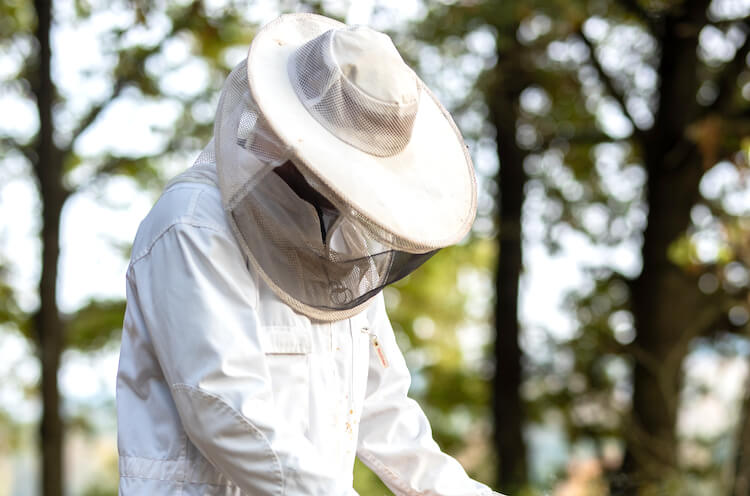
[(603, 116)]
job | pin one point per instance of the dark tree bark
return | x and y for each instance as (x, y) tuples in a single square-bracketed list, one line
[(507, 403), (741, 485), (47, 321), (674, 168)]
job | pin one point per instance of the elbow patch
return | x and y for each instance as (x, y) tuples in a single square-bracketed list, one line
[(228, 440)]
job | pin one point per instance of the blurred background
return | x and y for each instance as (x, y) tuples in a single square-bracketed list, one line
[(589, 337)]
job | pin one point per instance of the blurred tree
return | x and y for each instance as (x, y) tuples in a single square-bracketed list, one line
[(681, 127), (499, 87), (503, 89), (617, 110), (140, 69), (741, 483)]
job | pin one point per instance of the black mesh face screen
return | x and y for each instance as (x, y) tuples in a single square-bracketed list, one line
[(402, 264)]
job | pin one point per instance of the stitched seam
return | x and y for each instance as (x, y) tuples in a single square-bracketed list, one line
[(181, 483), (182, 185), (122, 457), (191, 390), (189, 480), (189, 214), (183, 461), (179, 222)]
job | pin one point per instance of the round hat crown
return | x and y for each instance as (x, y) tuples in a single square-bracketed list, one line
[(356, 85), (370, 61)]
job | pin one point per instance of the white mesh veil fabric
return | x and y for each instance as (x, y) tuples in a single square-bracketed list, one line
[(324, 263)]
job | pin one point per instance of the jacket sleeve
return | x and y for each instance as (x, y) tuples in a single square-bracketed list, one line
[(395, 439), (197, 301)]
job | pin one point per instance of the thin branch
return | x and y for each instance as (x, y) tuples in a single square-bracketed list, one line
[(93, 114), (27, 150), (177, 23), (706, 318), (609, 83), (741, 116), (582, 137), (113, 165)]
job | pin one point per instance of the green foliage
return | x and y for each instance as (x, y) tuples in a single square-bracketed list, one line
[(17, 16), (428, 310), (10, 313), (585, 180), (12, 434), (367, 483), (95, 324), (100, 490)]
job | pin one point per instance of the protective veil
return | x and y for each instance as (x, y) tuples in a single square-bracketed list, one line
[(391, 177), (326, 264)]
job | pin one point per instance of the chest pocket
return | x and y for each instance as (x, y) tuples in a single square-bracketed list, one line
[(287, 351)]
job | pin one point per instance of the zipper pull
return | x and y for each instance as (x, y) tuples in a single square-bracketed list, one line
[(376, 345)]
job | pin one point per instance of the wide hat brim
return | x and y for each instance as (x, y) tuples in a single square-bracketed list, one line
[(425, 195)]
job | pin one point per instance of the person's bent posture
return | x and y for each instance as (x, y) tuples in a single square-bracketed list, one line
[(257, 358)]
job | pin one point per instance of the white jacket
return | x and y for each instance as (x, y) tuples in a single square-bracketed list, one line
[(224, 390)]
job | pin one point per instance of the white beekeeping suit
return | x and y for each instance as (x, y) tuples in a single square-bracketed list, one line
[(257, 358)]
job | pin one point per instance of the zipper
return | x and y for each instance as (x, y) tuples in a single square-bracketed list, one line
[(376, 346)]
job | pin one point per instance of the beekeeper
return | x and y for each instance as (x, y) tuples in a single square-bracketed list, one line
[(257, 358)]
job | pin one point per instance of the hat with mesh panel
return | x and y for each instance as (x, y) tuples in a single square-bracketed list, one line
[(364, 129)]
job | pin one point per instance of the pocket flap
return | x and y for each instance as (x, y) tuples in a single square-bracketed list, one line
[(286, 340)]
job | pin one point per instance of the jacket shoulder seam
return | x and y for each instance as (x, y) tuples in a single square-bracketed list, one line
[(177, 223), (192, 390)]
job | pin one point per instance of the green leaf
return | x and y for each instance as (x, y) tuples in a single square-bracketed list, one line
[(95, 324)]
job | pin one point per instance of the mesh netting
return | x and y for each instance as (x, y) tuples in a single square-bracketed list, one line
[(376, 127), (324, 262)]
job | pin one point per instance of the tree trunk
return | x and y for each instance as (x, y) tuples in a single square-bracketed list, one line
[(506, 402), (47, 321), (664, 333), (674, 169), (741, 483)]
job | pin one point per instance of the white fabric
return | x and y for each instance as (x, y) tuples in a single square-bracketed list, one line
[(425, 194), (222, 389)]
